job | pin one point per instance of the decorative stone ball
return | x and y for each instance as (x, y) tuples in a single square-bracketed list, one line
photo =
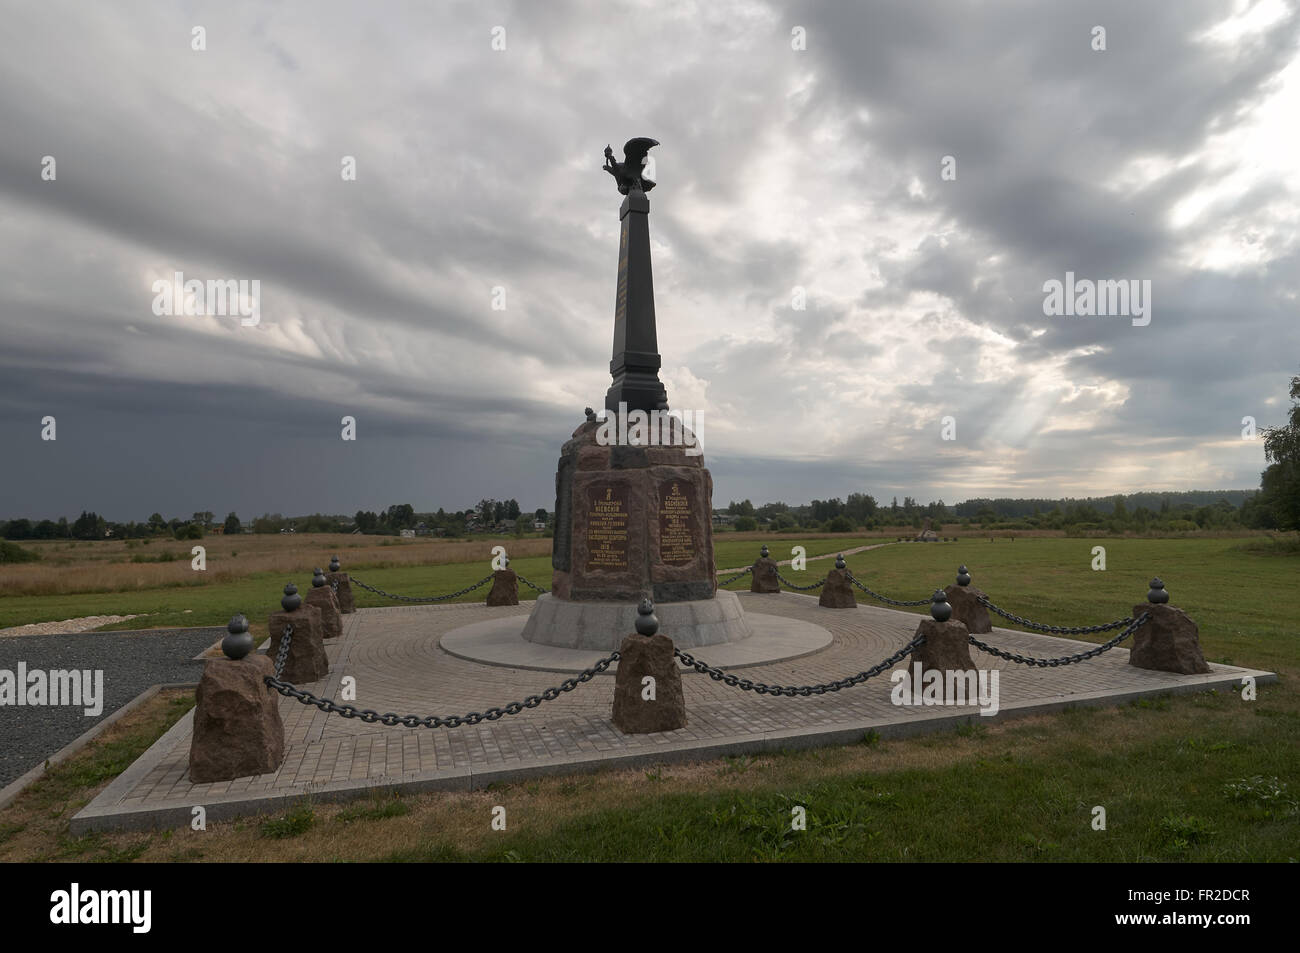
[(647, 623), (238, 643), (963, 576), (1156, 594), (334, 564), (940, 610), (318, 579), (763, 552), (839, 561), (291, 598)]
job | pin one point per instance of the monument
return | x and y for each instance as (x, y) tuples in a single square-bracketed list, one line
[(633, 505), (633, 499)]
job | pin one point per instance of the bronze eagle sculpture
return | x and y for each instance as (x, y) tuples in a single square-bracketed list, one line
[(628, 172)]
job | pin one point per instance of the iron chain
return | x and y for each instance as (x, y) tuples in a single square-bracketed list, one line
[(789, 584), (1133, 626), (530, 585), (893, 602), (729, 580), (282, 656), (1054, 629), (745, 684), (393, 720), (452, 595)]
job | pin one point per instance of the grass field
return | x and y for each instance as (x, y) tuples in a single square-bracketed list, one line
[(1205, 777), (247, 573)]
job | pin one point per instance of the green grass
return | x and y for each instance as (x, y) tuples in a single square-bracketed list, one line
[(258, 595), (375, 808), (1236, 597), (1026, 792), (293, 824)]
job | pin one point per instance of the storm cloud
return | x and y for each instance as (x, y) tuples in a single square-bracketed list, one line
[(803, 146)]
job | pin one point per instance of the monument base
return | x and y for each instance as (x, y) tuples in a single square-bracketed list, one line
[(498, 642), (602, 626)]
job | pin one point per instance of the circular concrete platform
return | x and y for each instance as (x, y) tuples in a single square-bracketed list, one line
[(602, 626), (500, 642)]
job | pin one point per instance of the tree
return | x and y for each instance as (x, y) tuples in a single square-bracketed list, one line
[(860, 507), (89, 526), (746, 524), (400, 516), (1278, 501), (540, 514), (269, 523), (203, 518), (233, 525), (512, 509)]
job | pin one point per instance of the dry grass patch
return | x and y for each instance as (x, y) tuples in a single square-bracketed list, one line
[(115, 566)]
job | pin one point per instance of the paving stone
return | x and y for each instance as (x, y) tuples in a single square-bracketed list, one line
[(393, 653)]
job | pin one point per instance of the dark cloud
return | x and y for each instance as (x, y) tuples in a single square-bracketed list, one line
[(1160, 158)]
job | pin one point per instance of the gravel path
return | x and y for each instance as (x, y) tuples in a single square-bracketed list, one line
[(131, 662), (83, 624), (811, 559)]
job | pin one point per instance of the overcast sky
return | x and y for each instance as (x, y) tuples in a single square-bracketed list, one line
[(1170, 157)]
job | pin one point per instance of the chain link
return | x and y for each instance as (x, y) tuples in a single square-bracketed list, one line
[(1133, 626), (282, 656), (729, 580), (1054, 629), (791, 585), (530, 585), (393, 720), (452, 595), (745, 684), (893, 602)]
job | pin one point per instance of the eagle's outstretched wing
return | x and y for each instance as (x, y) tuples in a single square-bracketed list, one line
[(634, 152)]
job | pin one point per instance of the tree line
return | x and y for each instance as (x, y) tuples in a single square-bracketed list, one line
[(490, 515)]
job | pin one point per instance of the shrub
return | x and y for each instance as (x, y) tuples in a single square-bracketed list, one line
[(746, 524), (840, 524), (13, 553)]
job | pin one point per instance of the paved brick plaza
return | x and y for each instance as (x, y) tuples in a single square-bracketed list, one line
[(393, 653)]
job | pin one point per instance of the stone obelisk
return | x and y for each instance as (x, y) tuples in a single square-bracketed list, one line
[(635, 364), (633, 518)]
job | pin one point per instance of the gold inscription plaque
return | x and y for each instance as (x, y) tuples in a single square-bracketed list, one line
[(606, 530), (676, 543)]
